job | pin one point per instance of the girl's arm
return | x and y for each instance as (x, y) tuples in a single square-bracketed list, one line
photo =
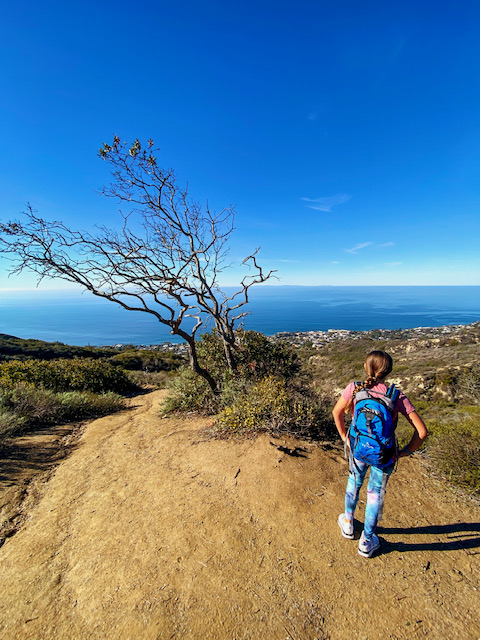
[(338, 416), (419, 434)]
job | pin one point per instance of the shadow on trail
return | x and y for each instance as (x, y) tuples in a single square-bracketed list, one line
[(297, 452), (29, 453), (461, 535), (20, 455), (24, 458)]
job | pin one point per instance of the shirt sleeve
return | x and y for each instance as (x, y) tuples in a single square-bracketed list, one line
[(403, 404), (348, 391)]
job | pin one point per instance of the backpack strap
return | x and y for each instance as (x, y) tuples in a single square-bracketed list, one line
[(393, 393)]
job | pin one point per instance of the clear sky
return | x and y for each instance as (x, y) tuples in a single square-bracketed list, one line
[(346, 133)]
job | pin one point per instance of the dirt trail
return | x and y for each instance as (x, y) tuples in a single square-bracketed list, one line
[(149, 529)]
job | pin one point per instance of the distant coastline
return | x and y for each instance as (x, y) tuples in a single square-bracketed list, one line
[(319, 339), (81, 319)]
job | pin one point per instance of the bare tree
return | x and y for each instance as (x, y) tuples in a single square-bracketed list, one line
[(165, 260)]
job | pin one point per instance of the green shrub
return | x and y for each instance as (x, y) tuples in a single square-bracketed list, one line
[(256, 356), (79, 405), (150, 379), (271, 405), (31, 405), (65, 375), (9, 423), (189, 392), (23, 406), (266, 392), (147, 360)]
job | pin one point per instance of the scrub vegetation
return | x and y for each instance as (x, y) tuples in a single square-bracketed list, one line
[(269, 390), (43, 384)]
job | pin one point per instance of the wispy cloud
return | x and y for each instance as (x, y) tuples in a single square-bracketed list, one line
[(334, 262), (313, 116), (393, 264), (357, 247), (387, 244), (326, 203)]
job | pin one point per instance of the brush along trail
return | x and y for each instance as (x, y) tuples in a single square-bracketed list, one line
[(151, 529)]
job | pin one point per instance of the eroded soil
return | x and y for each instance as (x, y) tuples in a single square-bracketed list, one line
[(149, 528)]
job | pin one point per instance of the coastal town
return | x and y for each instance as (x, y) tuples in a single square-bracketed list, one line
[(318, 339)]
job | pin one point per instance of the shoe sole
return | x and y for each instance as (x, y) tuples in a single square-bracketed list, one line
[(348, 536), (369, 554)]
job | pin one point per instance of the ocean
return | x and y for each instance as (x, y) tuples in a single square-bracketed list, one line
[(82, 319)]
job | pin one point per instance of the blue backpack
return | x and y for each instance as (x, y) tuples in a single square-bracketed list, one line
[(372, 432)]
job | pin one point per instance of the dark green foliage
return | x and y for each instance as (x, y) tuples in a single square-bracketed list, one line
[(256, 356), (65, 375), (21, 349), (147, 360)]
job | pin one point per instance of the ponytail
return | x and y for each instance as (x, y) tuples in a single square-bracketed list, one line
[(377, 366)]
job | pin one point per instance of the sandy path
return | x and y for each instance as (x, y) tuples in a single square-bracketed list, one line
[(151, 530)]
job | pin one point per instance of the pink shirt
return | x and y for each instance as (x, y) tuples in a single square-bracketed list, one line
[(402, 404)]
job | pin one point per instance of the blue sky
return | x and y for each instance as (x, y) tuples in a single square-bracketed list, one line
[(346, 134)]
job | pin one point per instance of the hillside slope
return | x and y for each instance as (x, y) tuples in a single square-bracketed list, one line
[(151, 529)]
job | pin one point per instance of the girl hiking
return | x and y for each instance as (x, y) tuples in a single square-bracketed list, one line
[(371, 439)]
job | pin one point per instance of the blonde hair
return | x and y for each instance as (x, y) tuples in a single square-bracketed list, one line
[(377, 366)]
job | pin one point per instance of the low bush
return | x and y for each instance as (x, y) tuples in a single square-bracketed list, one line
[(256, 357), (266, 392), (9, 424), (453, 445), (80, 405), (189, 392), (150, 379), (271, 404), (30, 405), (65, 375), (23, 406), (147, 360)]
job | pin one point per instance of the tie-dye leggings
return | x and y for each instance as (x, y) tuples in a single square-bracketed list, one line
[(375, 493)]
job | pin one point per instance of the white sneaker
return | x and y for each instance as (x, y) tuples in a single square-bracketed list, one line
[(345, 527), (367, 548)]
